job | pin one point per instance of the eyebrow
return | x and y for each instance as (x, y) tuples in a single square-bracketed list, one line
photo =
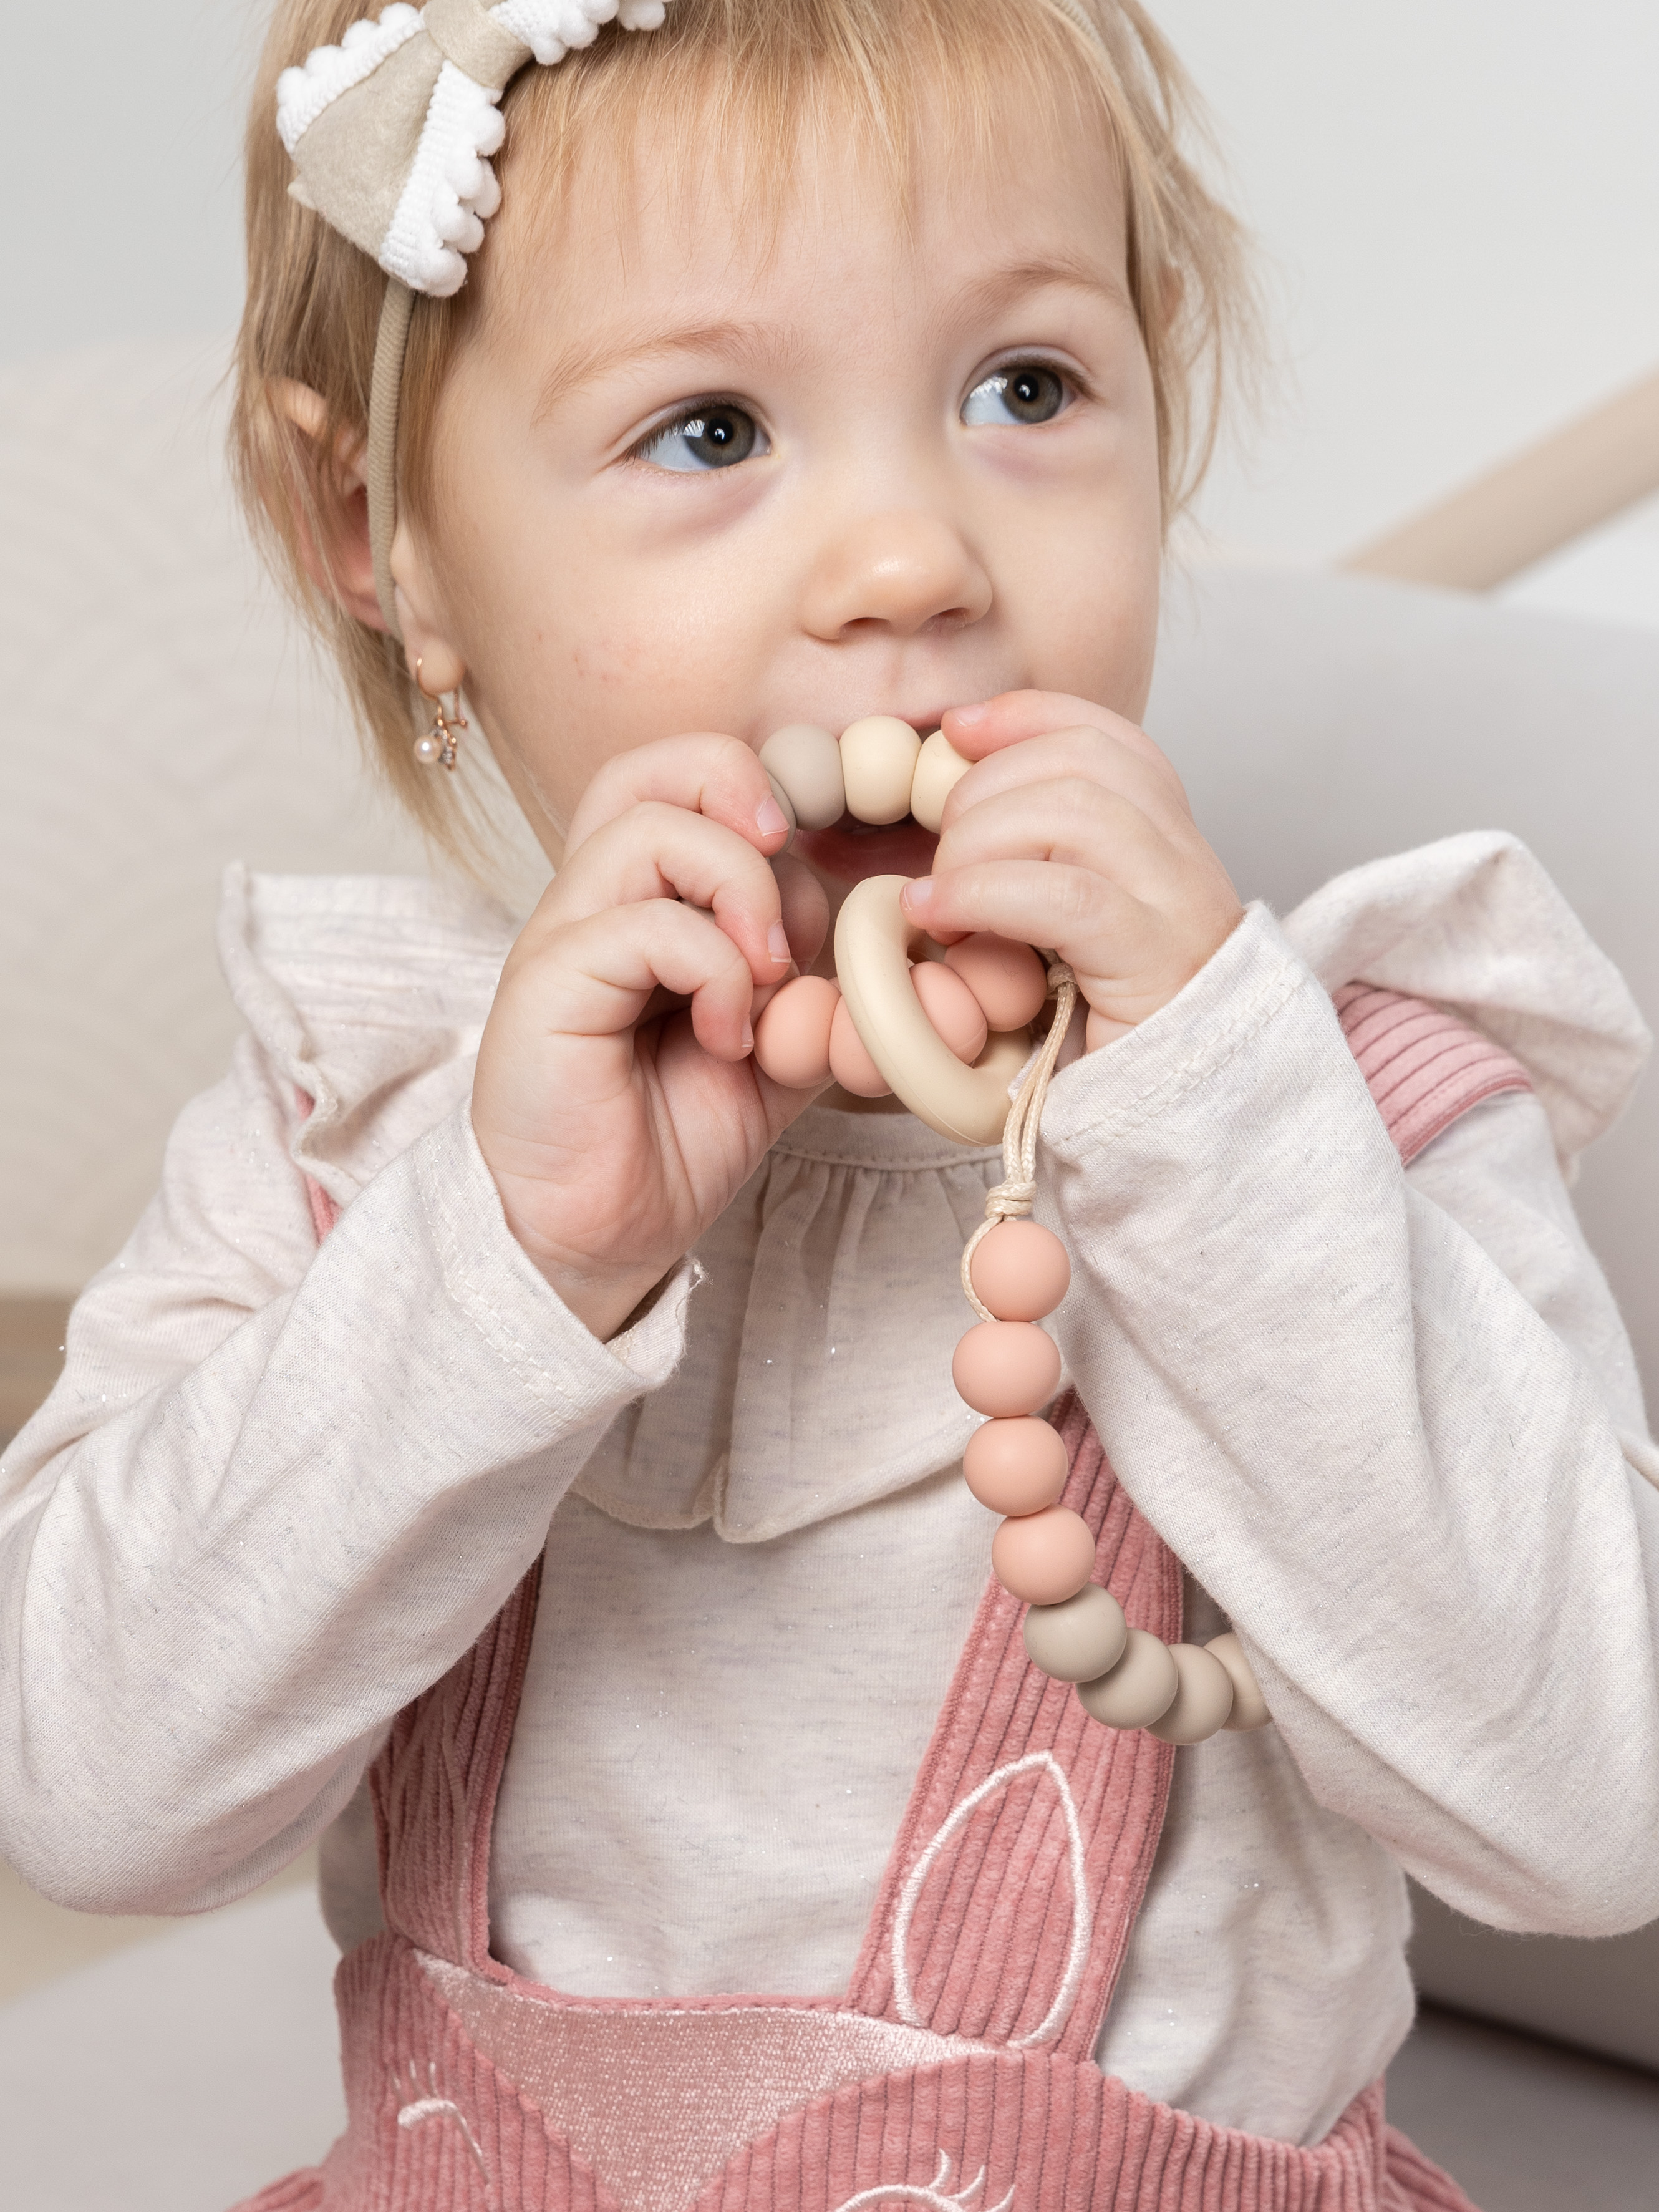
[(751, 343), (581, 361)]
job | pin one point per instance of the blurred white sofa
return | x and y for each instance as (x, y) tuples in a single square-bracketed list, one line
[(163, 720)]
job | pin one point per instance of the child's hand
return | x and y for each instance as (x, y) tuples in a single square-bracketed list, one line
[(617, 1120), (1073, 831)]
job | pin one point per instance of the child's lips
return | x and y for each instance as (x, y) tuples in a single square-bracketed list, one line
[(850, 850)]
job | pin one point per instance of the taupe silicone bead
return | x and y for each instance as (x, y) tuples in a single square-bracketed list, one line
[(1079, 1640), (878, 766), (805, 761), (1203, 1701), (1139, 1690), (939, 768), (1249, 1706), (786, 803)]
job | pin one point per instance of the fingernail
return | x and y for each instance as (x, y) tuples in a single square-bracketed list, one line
[(918, 895), (777, 941), (966, 717), (770, 817), (749, 1036)]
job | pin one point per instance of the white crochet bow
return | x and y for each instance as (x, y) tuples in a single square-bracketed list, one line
[(392, 131)]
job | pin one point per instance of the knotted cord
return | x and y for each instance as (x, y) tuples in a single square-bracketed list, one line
[(1010, 1199)]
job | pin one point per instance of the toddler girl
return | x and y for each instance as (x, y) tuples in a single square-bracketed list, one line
[(515, 1396)]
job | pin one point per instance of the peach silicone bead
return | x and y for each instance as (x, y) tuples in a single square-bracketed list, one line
[(1020, 1271), (1079, 1640), (951, 1007), (792, 1036), (878, 765), (1139, 1690), (1005, 1367), (939, 769), (1016, 1467), (1007, 979), (1043, 1557), (1249, 1706), (806, 762), (850, 1064), (1203, 1701)]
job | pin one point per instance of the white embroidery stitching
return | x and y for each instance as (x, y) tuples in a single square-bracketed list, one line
[(1082, 1919), (932, 2195), (435, 2108)]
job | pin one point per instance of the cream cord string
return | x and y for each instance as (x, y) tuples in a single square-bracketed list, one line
[(380, 463), (1010, 1199)]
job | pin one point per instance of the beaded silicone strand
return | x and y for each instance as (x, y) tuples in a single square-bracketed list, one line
[(1014, 1274)]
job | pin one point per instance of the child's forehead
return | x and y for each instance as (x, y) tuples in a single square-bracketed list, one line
[(1021, 171)]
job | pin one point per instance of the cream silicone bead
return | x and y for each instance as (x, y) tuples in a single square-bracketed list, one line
[(1139, 1690), (939, 769), (1080, 1638), (1250, 1708), (878, 766), (804, 763), (1203, 1700), (874, 940)]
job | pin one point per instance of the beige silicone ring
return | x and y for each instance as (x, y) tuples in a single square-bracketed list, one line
[(872, 942)]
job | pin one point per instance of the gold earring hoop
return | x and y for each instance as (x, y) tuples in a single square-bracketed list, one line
[(436, 747)]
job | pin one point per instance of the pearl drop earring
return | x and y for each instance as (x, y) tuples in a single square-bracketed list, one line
[(436, 747)]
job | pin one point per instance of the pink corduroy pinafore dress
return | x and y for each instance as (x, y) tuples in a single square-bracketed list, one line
[(957, 2073)]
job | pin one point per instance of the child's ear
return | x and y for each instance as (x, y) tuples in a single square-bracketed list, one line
[(333, 530)]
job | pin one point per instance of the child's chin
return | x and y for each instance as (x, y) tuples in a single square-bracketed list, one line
[(850, 851)]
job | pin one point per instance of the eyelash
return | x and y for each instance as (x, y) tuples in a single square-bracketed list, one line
[(1071, 386), (708, 403), (714, 402)]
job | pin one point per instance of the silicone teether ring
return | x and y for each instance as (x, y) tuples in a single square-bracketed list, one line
[(873, 939)]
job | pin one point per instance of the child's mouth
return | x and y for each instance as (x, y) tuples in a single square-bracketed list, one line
[(851, 850)]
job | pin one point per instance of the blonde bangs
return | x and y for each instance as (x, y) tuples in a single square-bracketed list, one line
[(745, 84)]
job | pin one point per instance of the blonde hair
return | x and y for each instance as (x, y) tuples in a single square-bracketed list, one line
[(755, 74)]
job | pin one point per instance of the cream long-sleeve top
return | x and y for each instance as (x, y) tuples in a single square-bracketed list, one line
[(1388, 1418)]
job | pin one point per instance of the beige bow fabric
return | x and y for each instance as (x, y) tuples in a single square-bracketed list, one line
[(392, 131)]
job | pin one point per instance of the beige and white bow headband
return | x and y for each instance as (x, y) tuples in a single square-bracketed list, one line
[(391, 134), (392, 131)]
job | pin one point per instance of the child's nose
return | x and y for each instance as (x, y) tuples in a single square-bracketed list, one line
[(902, 570)]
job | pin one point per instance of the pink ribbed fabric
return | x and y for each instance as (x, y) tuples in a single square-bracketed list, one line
[(957, 2072), (1424, 1066)]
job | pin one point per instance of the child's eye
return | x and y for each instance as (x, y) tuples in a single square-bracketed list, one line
[(1028, 392), (716, 435)]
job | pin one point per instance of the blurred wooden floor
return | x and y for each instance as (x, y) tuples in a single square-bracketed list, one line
[(31, 1353)]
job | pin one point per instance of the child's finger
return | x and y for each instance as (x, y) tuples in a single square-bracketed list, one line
[(1086, 759), (706, 774), (1040, 902), (606, 966), (805, 908), (656, 851), (977, 731)]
